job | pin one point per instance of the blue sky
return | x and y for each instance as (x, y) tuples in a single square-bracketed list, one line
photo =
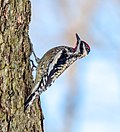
[(96, 98)]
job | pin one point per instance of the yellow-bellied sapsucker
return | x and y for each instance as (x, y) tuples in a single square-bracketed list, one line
[(53, 64)]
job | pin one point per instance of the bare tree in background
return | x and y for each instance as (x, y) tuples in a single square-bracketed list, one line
[(81, 24), (15, 72)]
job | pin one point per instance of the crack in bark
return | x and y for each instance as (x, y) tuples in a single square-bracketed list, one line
[(15, 71)]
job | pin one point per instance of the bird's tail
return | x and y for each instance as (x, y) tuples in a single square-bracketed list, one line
[(29, 100)]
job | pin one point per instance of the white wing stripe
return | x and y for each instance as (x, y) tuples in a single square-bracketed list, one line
[(51, 66), (36, 87)]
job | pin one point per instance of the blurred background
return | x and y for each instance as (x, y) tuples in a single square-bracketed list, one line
[(86, 97)]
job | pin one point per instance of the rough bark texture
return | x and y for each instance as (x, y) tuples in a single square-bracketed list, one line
[(15, 72)]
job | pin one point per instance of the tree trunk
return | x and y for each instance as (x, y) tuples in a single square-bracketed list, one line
[(16, 79)]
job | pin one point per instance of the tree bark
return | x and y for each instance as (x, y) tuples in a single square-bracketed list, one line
[(16, 78)]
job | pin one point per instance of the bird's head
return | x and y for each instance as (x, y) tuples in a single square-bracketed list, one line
[(82, 47)]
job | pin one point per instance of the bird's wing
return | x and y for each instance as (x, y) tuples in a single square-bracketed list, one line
[(57, 66)]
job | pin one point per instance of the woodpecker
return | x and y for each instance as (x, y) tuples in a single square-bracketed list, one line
[(53, 64)]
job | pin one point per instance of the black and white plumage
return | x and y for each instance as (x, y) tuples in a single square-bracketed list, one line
[(53, 64)]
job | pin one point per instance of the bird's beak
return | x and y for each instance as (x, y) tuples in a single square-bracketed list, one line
[(78, 43), (78, 39)]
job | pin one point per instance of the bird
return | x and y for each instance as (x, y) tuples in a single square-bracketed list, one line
[(53, 63)]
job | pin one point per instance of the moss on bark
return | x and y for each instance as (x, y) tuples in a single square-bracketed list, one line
[(15, 72)]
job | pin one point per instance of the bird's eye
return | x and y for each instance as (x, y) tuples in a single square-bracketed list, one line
[(87, 49)]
